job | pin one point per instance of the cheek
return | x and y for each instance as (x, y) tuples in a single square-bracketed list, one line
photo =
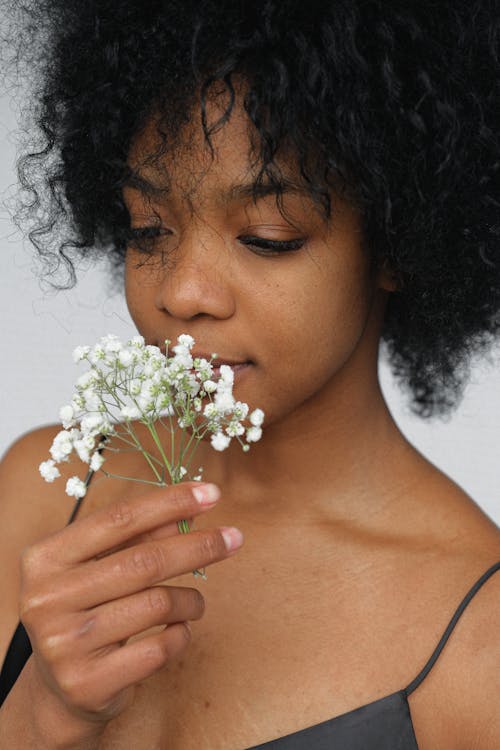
[(310, 335), (139, 295)]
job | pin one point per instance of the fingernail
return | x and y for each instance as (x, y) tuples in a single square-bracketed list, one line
[(233, 538), (206, 494)]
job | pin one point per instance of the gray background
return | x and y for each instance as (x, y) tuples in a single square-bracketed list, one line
[(40, 330)]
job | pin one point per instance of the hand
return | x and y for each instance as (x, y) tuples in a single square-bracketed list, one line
[(90, 587)]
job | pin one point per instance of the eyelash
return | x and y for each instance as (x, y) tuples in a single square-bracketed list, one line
[(147, 235)]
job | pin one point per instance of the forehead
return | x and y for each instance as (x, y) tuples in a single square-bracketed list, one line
[(187, 166)]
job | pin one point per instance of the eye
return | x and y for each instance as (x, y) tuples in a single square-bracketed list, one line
[(272, 247), (144, 239)]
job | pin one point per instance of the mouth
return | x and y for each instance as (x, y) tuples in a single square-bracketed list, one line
[(237, 366)]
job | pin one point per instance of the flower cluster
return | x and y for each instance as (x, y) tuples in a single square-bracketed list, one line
[(137, 382)]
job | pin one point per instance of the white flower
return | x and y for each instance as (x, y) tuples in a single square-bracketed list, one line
[(62, 446), (224, 401), (95, 424), (80, 353), (67, 416), (220, 441), (49, 470), (257, 417), (130, 412), (210, 411), (136, 341), (226, 374), (234, 429), (185, 340), (86, 380), (240, 410), (209, 386), (183, 358), (253, 434), (96, 461), (125, 357), (111, 343), (75, 487), (83, 446), (97, 354)]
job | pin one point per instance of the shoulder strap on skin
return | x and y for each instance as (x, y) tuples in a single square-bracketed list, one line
[(461, 607), (87, 480)]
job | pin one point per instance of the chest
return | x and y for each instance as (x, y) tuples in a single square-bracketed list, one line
[(255, 672)]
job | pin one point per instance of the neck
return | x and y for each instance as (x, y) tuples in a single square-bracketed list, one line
[(330, 460)]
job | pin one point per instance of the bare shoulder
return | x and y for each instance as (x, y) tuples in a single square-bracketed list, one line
[(30, 510), (465, 680)]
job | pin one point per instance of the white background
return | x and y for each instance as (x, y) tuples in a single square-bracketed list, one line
[(39, 332)]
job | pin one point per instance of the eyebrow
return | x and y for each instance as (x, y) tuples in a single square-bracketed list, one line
[(257, 190), (141, 183), (235, 192)]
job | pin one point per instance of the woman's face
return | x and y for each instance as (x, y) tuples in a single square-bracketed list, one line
[(298, 316)]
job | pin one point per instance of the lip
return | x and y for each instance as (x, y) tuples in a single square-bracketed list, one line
[(218, 361)]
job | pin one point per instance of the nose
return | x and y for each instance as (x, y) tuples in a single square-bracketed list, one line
[(197, 279)]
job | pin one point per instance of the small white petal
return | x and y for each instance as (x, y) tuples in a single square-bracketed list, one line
[(67, 416), (185, 340), (75, 487), (253, 434), (49, 470), (96, 461), (220, 441), (257, 417)]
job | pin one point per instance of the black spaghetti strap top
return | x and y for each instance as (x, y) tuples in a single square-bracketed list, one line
[(384, 724)]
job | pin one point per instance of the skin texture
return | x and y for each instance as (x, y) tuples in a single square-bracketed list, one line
[(356, 549)]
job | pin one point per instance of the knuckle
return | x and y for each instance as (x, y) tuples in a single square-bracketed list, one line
[(211, 546), (159, 601), (120, 514), (148, 562), (182, 500)]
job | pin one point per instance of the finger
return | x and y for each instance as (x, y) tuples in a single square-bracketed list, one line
[(98, 686), (112, 526), (162, 532), (119, 620), (132, 570)]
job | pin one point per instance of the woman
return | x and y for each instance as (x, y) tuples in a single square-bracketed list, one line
[(290, 186)]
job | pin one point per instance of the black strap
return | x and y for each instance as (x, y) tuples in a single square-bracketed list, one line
[(460, 609)]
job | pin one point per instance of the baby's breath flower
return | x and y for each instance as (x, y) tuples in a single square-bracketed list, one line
[(219, 441), (257, 417), (125, 357), (80, 353), (49, 470), (130, 412), (83, 447), (209, 386), (136, 381), (96, 461), (224, 402), (253, 434), (62, 445), (75, 487), (235, 428), (67, 416)]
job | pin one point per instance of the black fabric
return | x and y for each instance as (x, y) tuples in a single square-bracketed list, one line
[(384, 724)]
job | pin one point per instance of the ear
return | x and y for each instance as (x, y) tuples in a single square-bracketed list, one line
[(387, 278)]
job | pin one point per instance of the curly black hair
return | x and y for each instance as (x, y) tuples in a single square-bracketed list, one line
[(398, 102)]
